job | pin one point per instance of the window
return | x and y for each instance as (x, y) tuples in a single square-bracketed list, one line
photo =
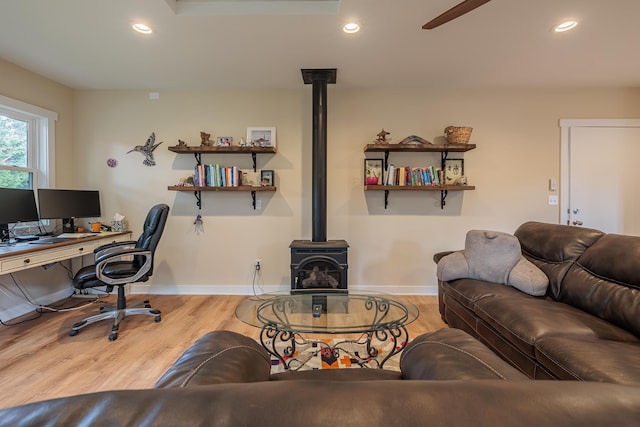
[(27, 135), (16, 156)]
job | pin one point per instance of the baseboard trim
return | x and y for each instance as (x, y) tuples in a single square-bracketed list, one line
[(249, 290), (24, 307)]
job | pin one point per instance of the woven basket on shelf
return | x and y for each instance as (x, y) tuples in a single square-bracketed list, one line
[(458, 135)]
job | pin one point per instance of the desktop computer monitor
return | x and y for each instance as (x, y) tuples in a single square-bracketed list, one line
[(16, 205), (68, 205)]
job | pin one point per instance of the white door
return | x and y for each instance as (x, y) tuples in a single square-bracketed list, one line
[(600, 176)]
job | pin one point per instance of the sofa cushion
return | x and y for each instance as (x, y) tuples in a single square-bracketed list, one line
[(553, 247), (449, 354), (496, 257), (523, 320), (605, 281), (589, 359), (469, 291)]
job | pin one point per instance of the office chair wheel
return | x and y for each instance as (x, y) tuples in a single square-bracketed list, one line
[(157, 319), (147, 304), (113, 336), (73, 333)]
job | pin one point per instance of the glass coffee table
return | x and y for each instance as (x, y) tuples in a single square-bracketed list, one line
[(284, 317)]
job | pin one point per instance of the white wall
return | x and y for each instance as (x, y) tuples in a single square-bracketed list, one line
[(516, 132)]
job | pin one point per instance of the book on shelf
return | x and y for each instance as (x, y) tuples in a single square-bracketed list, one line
[(216, 176), (406, 176)]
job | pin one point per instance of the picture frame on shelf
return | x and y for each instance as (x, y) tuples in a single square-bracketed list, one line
[(266, 178), (453, 171), (373, 171), (224, 141), (250, 177), (261, 137)]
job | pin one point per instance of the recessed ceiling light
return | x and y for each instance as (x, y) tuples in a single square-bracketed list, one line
[(351, 27), (142, 28), (565, 26)]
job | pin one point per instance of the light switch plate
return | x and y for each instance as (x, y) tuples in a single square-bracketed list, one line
[(553, 200)]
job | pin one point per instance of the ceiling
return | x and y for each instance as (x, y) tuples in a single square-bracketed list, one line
[(203, 44)]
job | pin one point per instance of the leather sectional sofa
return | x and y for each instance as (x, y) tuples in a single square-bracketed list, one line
[(586, 327), (446, 378)]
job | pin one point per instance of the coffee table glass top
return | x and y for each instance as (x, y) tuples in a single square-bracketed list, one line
[(331, 312)]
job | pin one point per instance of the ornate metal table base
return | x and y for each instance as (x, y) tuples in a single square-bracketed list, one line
[(282, 345), (378, 318)]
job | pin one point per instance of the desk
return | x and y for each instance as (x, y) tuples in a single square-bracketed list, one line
[(24, 255)]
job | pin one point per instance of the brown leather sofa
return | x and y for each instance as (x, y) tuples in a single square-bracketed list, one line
[(586, 327), (446, 378)]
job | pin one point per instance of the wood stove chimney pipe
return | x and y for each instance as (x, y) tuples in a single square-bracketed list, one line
[(319, 78)]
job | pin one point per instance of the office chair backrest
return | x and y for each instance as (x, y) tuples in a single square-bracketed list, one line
[(152, 230)]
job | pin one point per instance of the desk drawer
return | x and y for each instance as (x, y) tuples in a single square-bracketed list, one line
[(49, 255)]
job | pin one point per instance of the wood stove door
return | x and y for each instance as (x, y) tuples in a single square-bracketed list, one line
[(319, 272)]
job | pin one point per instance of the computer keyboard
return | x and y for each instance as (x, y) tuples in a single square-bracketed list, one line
[(48, 240), (74, 235), (64, 237)]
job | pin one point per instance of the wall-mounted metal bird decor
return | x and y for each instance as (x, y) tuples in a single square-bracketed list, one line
[(147, 150)]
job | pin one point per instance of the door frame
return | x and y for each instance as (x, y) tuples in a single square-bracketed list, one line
[(565, 155)]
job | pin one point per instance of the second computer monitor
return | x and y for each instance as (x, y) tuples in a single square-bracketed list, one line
[(67, 205)]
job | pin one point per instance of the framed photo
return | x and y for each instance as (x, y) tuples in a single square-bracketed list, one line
[(224, 141), (453, 171), (373, 171), (266, 178), (261, 137), (250, 177)]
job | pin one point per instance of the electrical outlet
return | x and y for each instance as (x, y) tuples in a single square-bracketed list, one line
[(258, 264)]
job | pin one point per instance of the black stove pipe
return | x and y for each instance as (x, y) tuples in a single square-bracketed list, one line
[(319, 78)]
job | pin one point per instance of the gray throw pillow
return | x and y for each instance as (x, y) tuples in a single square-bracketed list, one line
[(493, 256)]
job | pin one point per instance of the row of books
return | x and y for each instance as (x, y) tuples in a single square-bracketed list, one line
[(216, 176), (406, 176)]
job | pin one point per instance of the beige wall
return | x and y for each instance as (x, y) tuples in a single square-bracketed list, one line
[(25, 86), (516, 132), (41, 286)]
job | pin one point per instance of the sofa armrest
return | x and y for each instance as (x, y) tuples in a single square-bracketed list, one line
[(439, 255), (216, 358), (452, 354)]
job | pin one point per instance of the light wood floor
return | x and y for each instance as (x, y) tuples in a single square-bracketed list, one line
[(39, 360)]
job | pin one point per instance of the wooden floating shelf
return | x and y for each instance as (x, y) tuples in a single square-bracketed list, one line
[(220, 149), (419, 187), (197, 191), (443, 189), (240, 188), (418, 148)]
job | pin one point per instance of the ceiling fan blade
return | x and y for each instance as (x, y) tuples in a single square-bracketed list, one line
[(453, 13)]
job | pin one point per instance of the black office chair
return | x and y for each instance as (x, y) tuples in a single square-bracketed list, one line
[(121, 263)]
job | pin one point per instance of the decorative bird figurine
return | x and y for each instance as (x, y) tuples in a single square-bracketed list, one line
[(147, 150)]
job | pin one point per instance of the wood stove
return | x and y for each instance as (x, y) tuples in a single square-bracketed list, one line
[(319, 264)]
